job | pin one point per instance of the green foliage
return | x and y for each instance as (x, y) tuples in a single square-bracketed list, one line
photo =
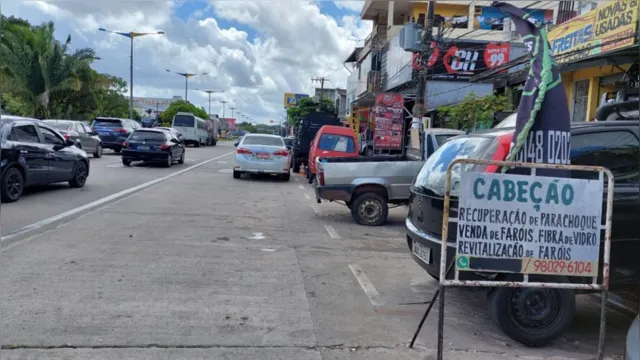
[(306, 106), (474, 112), (247, 126), (181, 106)]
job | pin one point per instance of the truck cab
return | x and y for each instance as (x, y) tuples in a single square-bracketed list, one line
[(331, 142)]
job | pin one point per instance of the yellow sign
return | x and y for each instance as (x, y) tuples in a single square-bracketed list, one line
[(291, 99), (596, 31)]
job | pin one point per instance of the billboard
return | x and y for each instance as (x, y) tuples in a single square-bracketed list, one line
[(155, 104), (462, 60), (291, 99), (595, 32), (388, 122)]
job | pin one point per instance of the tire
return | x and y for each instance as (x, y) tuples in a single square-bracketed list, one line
[(512, 310), (296, 166), (285, 177), (98, 153), (80, 175), (197, 144), (369, 209), (237, 174), (126, 162), (214, 143), (117, 150), (181, 160), (169, 161), (311, 177), (12, 185)]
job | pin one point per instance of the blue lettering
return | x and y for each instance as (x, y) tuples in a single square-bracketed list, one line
[(476, 194), (533, 196)]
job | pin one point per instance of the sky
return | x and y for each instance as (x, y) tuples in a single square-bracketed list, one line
[(252, 50)]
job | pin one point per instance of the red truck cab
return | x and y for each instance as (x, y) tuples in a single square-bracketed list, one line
[(331, 142)]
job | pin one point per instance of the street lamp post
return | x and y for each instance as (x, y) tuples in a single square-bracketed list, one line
[(131, 35), (186, 80), (224, 102), (209, 92)]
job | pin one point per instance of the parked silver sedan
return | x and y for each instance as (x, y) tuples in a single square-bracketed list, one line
[(80, 133), (262, 154)]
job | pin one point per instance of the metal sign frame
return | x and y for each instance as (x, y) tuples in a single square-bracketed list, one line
[(594, 285)]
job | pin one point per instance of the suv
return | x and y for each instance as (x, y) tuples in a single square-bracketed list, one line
[(113, 131), (613, 145)]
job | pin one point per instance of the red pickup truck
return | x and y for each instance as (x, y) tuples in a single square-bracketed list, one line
[(331, 142)]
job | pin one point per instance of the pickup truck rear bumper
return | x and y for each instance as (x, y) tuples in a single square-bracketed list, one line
[(334, 192)]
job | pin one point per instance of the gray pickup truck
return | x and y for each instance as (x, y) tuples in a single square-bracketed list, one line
[(368, 184)]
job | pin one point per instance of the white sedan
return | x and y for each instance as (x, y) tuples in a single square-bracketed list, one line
[(262, 154)]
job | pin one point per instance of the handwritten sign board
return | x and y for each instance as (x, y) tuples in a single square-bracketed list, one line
[(529, 224)]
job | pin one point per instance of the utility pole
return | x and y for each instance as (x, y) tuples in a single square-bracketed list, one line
[(321, 80), (209, 92)]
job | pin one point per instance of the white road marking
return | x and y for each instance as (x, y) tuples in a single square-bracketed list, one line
[(222, 162), (316, 209), (366, 285), (268, 250), (115, 166), (102, 201), (301, 187), (306, 196), (229, 171), (332, 232), (257, 236)]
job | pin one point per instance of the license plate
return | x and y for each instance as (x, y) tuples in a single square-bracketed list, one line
[(422, 252), (262, 156), (103, 133), (143, 148)]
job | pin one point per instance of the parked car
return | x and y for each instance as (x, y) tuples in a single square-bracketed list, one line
[(153, 145), (331, 142), (33, 153), (288, 141), (80, 133), (368, 184), (613, 145), (262, 154), (173, 131), (113, 131)]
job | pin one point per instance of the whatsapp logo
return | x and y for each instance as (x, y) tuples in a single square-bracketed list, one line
[(462, 262)]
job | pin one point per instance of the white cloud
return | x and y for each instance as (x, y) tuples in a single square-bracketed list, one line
[(266, 48), (351, 5)]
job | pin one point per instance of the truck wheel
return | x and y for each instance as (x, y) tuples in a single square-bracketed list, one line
[(370, 209), (532, 316), (296, 166)]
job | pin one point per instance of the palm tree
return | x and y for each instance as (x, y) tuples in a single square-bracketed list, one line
[(36, 68)]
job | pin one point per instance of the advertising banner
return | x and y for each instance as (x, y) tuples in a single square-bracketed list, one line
[(231, 122), (389, 116), (529, 224), (596, 31), (542, 123), (154, 104), (462, 60), (291, 99)]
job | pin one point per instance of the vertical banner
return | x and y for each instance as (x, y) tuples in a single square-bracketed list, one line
[(388, 122), (542, 123)]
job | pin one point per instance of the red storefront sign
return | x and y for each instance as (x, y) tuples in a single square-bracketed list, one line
[(389, 117)]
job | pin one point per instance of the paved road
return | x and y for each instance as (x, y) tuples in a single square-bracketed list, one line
[(202, 266), (107, 176)]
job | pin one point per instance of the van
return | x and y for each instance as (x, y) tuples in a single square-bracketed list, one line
[(192, 128)]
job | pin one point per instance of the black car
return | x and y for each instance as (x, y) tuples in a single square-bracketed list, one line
[(114, 132), (33, 153), (153, 145), (533, 317)]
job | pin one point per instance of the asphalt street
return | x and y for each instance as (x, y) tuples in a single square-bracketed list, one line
[(203, 266)]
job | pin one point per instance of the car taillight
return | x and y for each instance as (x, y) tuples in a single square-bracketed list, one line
[(125, 144), (320, 177), (164, 147), (120, 130), (281, 153), (66, 136), (243, 151)]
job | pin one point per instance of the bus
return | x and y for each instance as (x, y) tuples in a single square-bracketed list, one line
[(192, 128)]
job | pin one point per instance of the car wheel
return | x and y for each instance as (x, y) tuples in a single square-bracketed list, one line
[(532, 316), (285, 177), (197, 144), (126, 162), (370, 209), (181, 160), (12, 185), (296, 166), (80, 175), (98, 153), (169, 161), (311, 178), (237, 174), (214, 143)]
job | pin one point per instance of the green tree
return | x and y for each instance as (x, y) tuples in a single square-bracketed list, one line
[(37, 71), (474, 112), (247, 126), (306, 106), (181, 106)]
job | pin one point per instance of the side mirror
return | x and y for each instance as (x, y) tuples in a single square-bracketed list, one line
[(69, 142), (236, 144)]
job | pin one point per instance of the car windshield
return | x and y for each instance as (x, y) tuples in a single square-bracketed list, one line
[(60, 125), (147, 136), (433, 174), (333, 142), (184, 121), (108, 123), (262, 140)]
